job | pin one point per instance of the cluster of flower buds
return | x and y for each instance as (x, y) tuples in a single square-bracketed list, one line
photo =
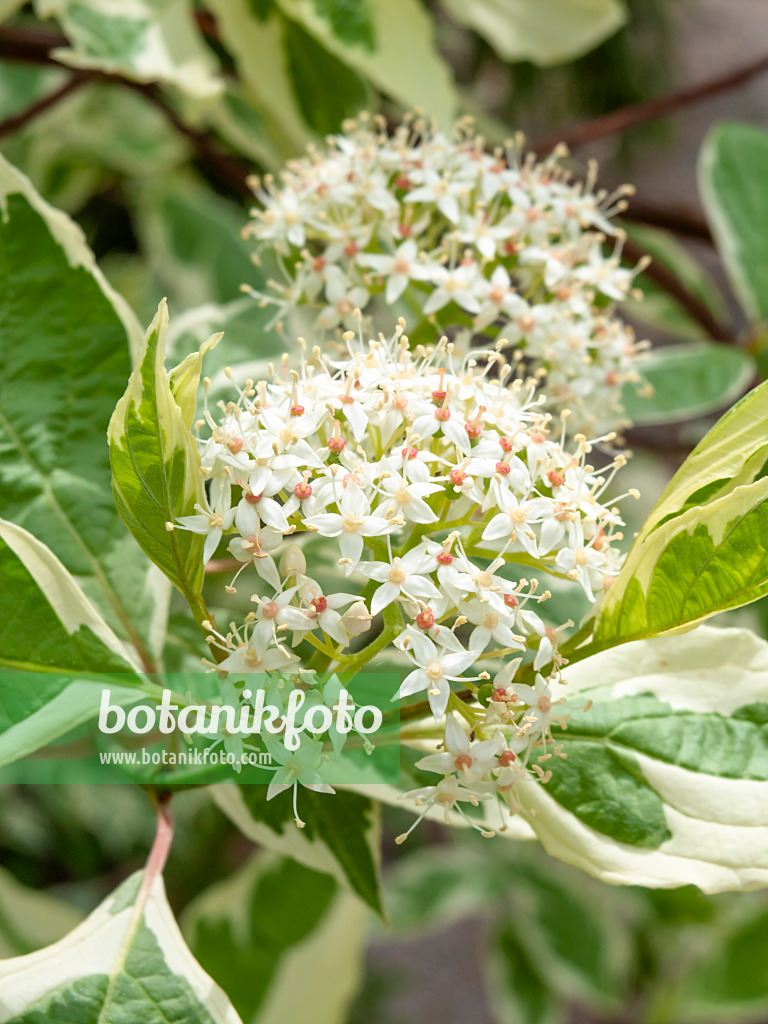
[(464, 242), (438, 484)]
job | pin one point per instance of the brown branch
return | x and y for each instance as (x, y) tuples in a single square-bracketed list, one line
[(33, 47), (650, 110), (227, 168), (16, 121), (692, 304), (688, 223), (30, 46)]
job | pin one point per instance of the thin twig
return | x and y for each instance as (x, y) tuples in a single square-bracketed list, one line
[(161, 847), (219, 565), (16, 121), (650, 110)]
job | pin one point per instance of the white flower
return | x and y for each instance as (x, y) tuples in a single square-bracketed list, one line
[(211, 522), (471, 761), (515, 520), (317, 612), (490, 624), (401, 575), (343, 300), (454, 284), (437, 668), (432, 220), (399, 268), (351, 524), (585, 565)]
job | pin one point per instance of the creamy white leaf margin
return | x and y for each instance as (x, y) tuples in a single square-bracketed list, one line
[(72, 241), (259, 53), (719, 826), (99, 946), (169, 50), (404, 62), (543, 31)]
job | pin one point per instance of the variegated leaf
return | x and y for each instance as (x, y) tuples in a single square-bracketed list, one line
[(127, 961), (156, 474)]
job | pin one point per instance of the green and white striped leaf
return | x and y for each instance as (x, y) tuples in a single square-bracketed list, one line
[(30, 919), (126, 962), (65, 337), (146, 40), (733, 453), (707, 560), (272, 922), (396, 53), (732, 171), (341, 835), (543, 31), (55, 650), (665, 782), (258, 51), (156, 473)]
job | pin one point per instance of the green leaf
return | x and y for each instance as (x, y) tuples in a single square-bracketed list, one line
[(518, 986), (665, 249), (350, 21), (193, 241), (326, 90), (9, 7), (403, 64), (148, 41), (64, 347), (733, 166), (30, 919), (156, 473), (729, 981), (666, 774), (341, 834), (552, 913), (52, 641), (543, 31), (272, 922), (688, 381), (707, 560), (126, 962), (244, 127)]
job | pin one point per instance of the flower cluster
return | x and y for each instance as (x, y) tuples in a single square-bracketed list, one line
[(464, 241), (438, 485)]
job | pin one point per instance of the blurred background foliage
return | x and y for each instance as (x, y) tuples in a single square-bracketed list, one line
[(143, 119)]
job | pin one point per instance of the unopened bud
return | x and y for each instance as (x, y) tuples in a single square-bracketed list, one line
[(293, 562), (356, 619)]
